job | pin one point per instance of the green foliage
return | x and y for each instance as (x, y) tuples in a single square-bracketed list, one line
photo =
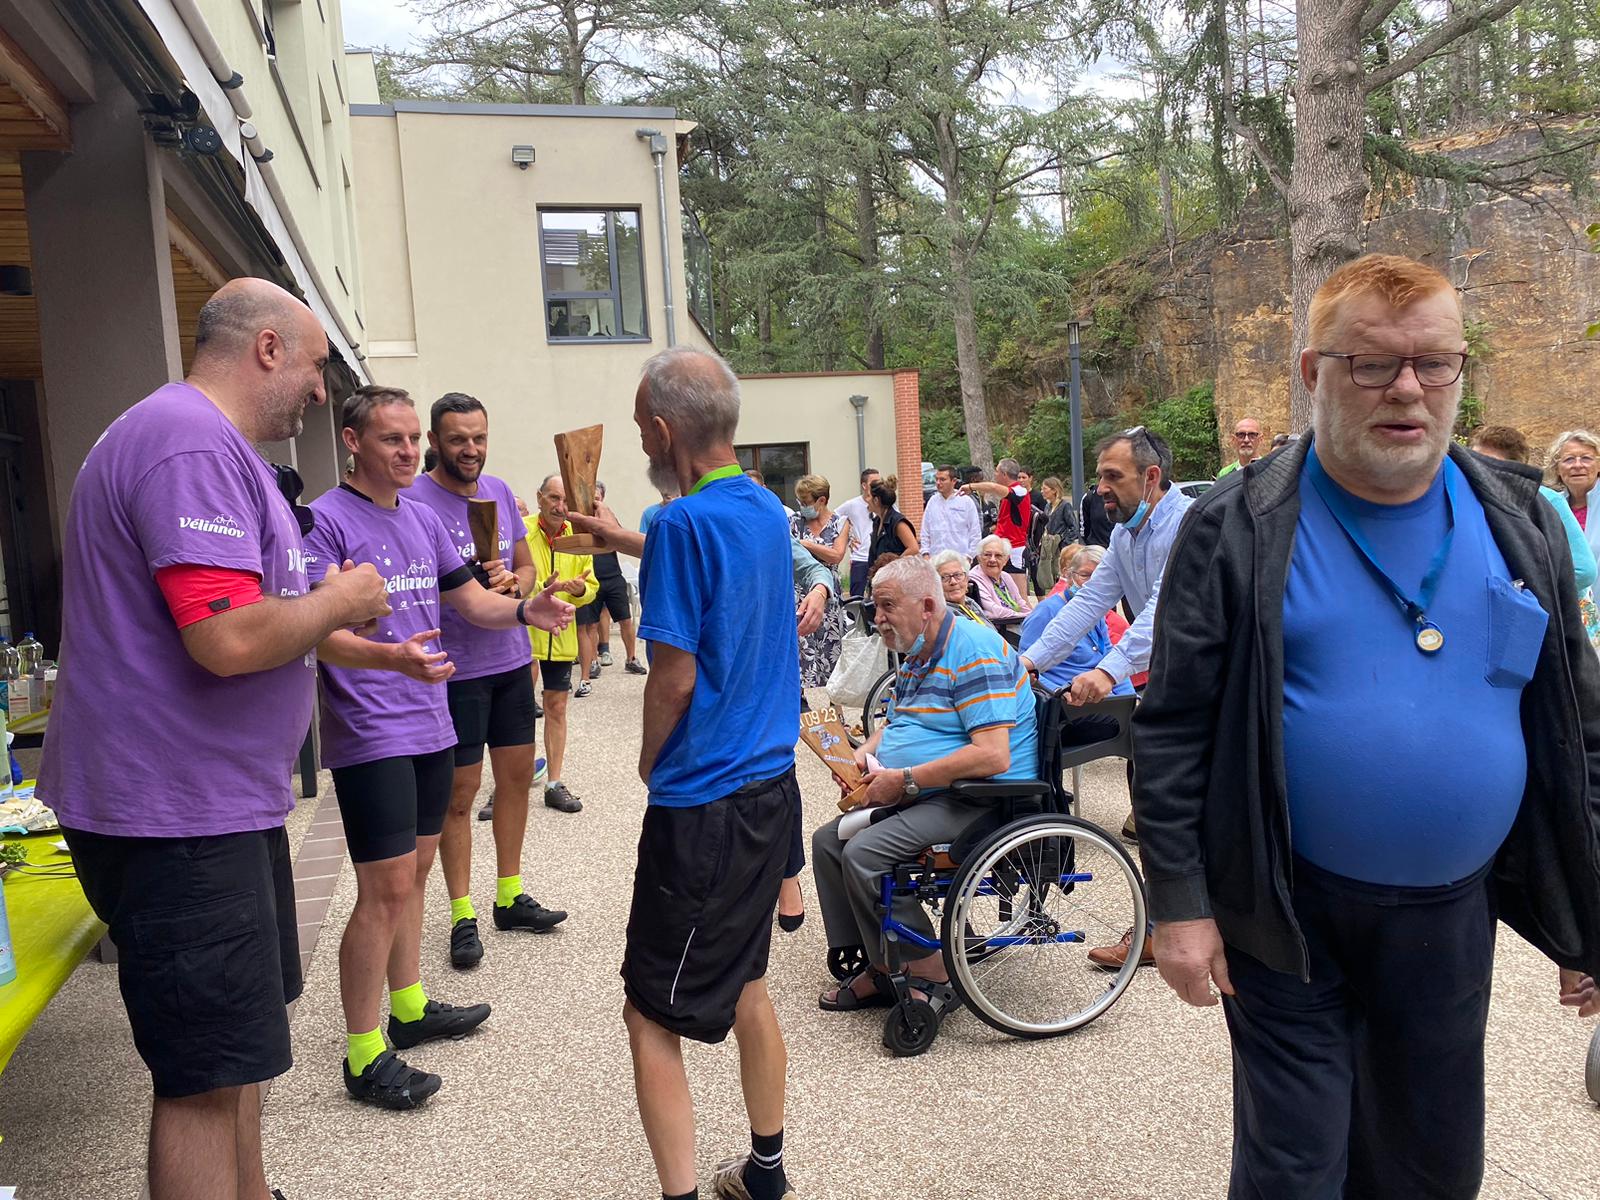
[(1189, 425), (943, 438)]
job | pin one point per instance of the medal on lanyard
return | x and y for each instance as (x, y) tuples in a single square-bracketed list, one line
[(1429, 637)]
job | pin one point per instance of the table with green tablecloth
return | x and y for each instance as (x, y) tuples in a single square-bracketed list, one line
[(52, 928)]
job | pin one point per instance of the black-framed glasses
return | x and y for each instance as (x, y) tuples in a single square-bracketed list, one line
[(1436, 369), (292, 486)]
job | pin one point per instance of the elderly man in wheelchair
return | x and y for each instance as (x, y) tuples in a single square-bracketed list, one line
[(960, 757)]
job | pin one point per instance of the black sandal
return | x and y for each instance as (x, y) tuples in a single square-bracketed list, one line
[(846, 1000)]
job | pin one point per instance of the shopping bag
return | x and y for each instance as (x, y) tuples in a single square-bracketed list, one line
[(862, 659)]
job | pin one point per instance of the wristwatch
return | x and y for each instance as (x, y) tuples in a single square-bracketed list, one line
[(911, 789)]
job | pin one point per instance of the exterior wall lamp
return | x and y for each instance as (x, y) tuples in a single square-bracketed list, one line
[(522, 156)]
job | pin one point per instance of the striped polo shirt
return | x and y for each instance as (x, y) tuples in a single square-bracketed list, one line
[(977, 682)]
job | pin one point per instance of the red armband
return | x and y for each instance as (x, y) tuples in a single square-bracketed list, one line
[(194, 593)]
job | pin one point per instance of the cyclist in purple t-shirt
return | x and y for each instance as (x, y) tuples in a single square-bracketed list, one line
[(388, 738), (188, 628)]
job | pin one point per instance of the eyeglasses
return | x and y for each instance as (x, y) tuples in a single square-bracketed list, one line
[(1242, 434), (952, 576), (1380, 370), (1577, 460)]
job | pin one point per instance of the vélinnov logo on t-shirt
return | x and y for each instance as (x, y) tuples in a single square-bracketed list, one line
[(219, 524)]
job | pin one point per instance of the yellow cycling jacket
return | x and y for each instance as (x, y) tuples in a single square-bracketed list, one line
[(563, 646)]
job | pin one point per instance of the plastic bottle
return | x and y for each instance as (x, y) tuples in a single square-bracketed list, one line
[(8, 960), (30, 654)]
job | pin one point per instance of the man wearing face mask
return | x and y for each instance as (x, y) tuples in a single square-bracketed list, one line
[(1146, 511)]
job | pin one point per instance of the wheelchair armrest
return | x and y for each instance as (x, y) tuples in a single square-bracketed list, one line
[(999, 789)]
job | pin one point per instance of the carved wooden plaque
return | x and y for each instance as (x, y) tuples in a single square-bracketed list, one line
[(823, 730), (483, 520), (578, 456)]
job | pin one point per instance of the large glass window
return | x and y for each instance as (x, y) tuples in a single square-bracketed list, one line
[(781, 464), (593, 266)]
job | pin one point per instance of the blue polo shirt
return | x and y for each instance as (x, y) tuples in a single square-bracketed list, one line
[(716, 580), (1404, 768), (1086, 655), (977, 682)]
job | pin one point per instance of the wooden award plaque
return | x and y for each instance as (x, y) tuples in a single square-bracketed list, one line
[(483, 519), (823, 731), (578, 456)]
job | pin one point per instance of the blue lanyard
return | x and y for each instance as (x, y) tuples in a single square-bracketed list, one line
[(1416, 609)]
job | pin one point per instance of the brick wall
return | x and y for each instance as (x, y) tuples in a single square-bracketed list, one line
[(908, 444)]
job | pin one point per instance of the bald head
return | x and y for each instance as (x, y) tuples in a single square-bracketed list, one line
[(260, 354), (241, 310)]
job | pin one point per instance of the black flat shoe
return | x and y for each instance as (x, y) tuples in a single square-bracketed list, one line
[(789, 922), (438, 1020), (389, 1083), (466, 950)]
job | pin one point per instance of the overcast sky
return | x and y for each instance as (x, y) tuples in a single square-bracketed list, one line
[(377, 23)]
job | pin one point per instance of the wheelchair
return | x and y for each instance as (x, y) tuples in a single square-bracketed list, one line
[(1018, 898), (1591, 1075)]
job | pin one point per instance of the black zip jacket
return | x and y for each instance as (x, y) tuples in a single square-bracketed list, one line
[(1209, 788)]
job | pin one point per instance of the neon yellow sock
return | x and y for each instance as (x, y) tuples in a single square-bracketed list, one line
[(506, 889), (462, 910), (407, 1004), (362, 1048)]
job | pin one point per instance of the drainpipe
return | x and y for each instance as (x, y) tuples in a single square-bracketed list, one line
[(860, 404), (658, 151), (263, 159), (231, 81)]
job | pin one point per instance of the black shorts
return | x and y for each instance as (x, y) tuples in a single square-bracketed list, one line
[(207, 952), (703, 895), (387, 804), (555, 675), (613, 595), (493, 711)]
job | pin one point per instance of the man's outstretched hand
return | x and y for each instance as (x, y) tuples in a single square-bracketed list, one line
[(1579, 991), (1190, 957), (547, 610)]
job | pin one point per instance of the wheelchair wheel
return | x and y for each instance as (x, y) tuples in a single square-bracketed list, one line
[(1023, 911), (911, 1026), (845, 962), (1592, 1072), (876, 710)]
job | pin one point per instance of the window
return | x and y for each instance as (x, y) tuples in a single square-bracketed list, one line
[(697, 267), (593, 266), (781, 466)]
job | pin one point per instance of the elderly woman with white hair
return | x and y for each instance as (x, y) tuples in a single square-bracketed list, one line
[(951, 567), (1573, 469), (998, 596)]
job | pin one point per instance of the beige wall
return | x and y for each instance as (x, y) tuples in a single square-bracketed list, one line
[(449, 232), (309, 135), (816, 409)]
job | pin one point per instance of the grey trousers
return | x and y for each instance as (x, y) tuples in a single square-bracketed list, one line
[(849, 874)]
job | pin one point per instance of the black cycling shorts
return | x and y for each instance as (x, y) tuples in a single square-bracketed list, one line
[(493, 711), (613, 595), (208, 955), (703, 896), (555, 675), (387, 804)]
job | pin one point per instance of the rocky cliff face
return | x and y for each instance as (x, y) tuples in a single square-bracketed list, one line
[(1219, 309)]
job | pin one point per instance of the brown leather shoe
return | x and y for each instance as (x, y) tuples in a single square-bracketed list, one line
[(1111, 958)]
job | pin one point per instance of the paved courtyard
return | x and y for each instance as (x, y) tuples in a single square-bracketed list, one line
[(539, 1104)]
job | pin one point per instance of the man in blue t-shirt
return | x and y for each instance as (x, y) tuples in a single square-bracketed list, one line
[(721, 718), (962, 709)]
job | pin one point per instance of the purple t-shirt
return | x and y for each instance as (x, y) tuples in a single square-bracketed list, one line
[(143, 741), (368, 715), (477, 652)]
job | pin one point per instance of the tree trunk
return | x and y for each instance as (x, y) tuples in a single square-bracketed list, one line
[(769, 360), (574, 52), (867, 241), (1329, 185), (963, 304)]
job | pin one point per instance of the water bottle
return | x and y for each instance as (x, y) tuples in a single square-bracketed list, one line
[(19, 686), (8, 960), (30, 654)]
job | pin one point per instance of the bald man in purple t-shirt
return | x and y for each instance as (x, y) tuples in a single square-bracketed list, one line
[(189, 626)]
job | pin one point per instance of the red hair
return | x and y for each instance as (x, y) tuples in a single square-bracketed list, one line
[(1400, 281)]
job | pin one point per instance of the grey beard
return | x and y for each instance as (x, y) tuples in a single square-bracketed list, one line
[(662, 477)]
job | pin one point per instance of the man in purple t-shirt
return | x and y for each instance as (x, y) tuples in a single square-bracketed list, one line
[(188, 630), (491, 693), (388, 738)]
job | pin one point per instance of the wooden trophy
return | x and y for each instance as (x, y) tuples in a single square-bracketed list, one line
[(483, 519), (823, 731), (578, 456)]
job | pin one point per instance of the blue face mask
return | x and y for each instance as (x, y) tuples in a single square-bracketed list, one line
[(916, 647), (809, 512), (1139, 515)]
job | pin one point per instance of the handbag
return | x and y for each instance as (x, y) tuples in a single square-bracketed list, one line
[(863, 658)]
